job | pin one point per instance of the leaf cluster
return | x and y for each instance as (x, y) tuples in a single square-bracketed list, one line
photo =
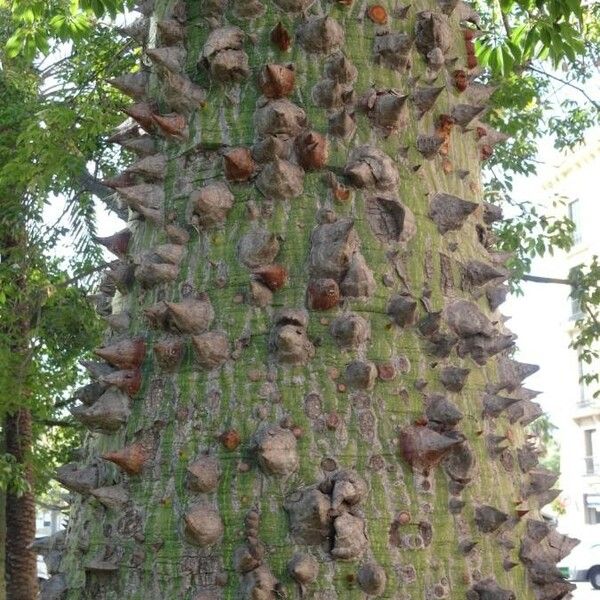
[(38, 22), (529, 234), (585, 290), (530, 30)]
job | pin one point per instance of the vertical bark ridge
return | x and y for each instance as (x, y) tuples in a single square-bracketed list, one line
[(2, 545), (363, 417), (21, 563)]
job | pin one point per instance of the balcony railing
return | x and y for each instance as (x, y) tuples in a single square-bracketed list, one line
[(588, 402)]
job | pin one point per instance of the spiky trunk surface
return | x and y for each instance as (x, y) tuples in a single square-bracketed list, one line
[(21, 561), (325, 407)]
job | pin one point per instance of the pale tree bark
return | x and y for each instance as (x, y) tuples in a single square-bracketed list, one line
[(307, 389)]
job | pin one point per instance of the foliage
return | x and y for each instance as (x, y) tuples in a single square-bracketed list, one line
[(11, 475), (524, 45), (531, 233), (38, 22), (40, 365), (545, 431), (534, 29), (53, 122), (585, 290)]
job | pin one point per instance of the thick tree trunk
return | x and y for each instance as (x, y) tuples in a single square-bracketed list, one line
[(310, 391), (21, 561)]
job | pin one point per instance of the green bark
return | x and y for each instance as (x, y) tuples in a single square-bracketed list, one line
[(350, 424)]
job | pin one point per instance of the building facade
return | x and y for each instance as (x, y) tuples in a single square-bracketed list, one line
[(48, 521), (579, 179)]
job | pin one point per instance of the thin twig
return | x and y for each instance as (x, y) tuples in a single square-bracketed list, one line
[(567, 83), (63, 403), (83, 274), (55, 507), (591, 314)]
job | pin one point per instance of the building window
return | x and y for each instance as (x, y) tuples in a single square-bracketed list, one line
[(591, 503), (587, 388), (47, 523), (574, 214), (588, 441)]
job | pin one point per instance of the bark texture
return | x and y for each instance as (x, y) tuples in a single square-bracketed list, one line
[(307, 390), (2, 546), (21, 560)]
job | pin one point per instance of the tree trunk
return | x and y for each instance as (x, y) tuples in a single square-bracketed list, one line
[(19, 581), (310, 392), (2, 545), (21, 560)]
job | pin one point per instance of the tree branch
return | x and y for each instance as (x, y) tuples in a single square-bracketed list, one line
[(506, 24), (567, 83), (64, 403), (57, 423), (83, 274), (55, 507), (538, 279), (504, 18), (93, 185), (591, 314)]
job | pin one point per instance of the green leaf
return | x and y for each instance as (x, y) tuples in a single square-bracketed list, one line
[(58, 21), (497, 60), (13, 45), (27, 16), (546, 36), (544, 52), (515, 51), (531, 40), (576, 8), (519, 33), (483, 53), (508, 60)]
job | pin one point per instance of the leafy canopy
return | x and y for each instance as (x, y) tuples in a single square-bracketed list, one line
[(38, 22)]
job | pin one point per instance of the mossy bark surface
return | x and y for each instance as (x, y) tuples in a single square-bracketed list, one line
[(349, 419)]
